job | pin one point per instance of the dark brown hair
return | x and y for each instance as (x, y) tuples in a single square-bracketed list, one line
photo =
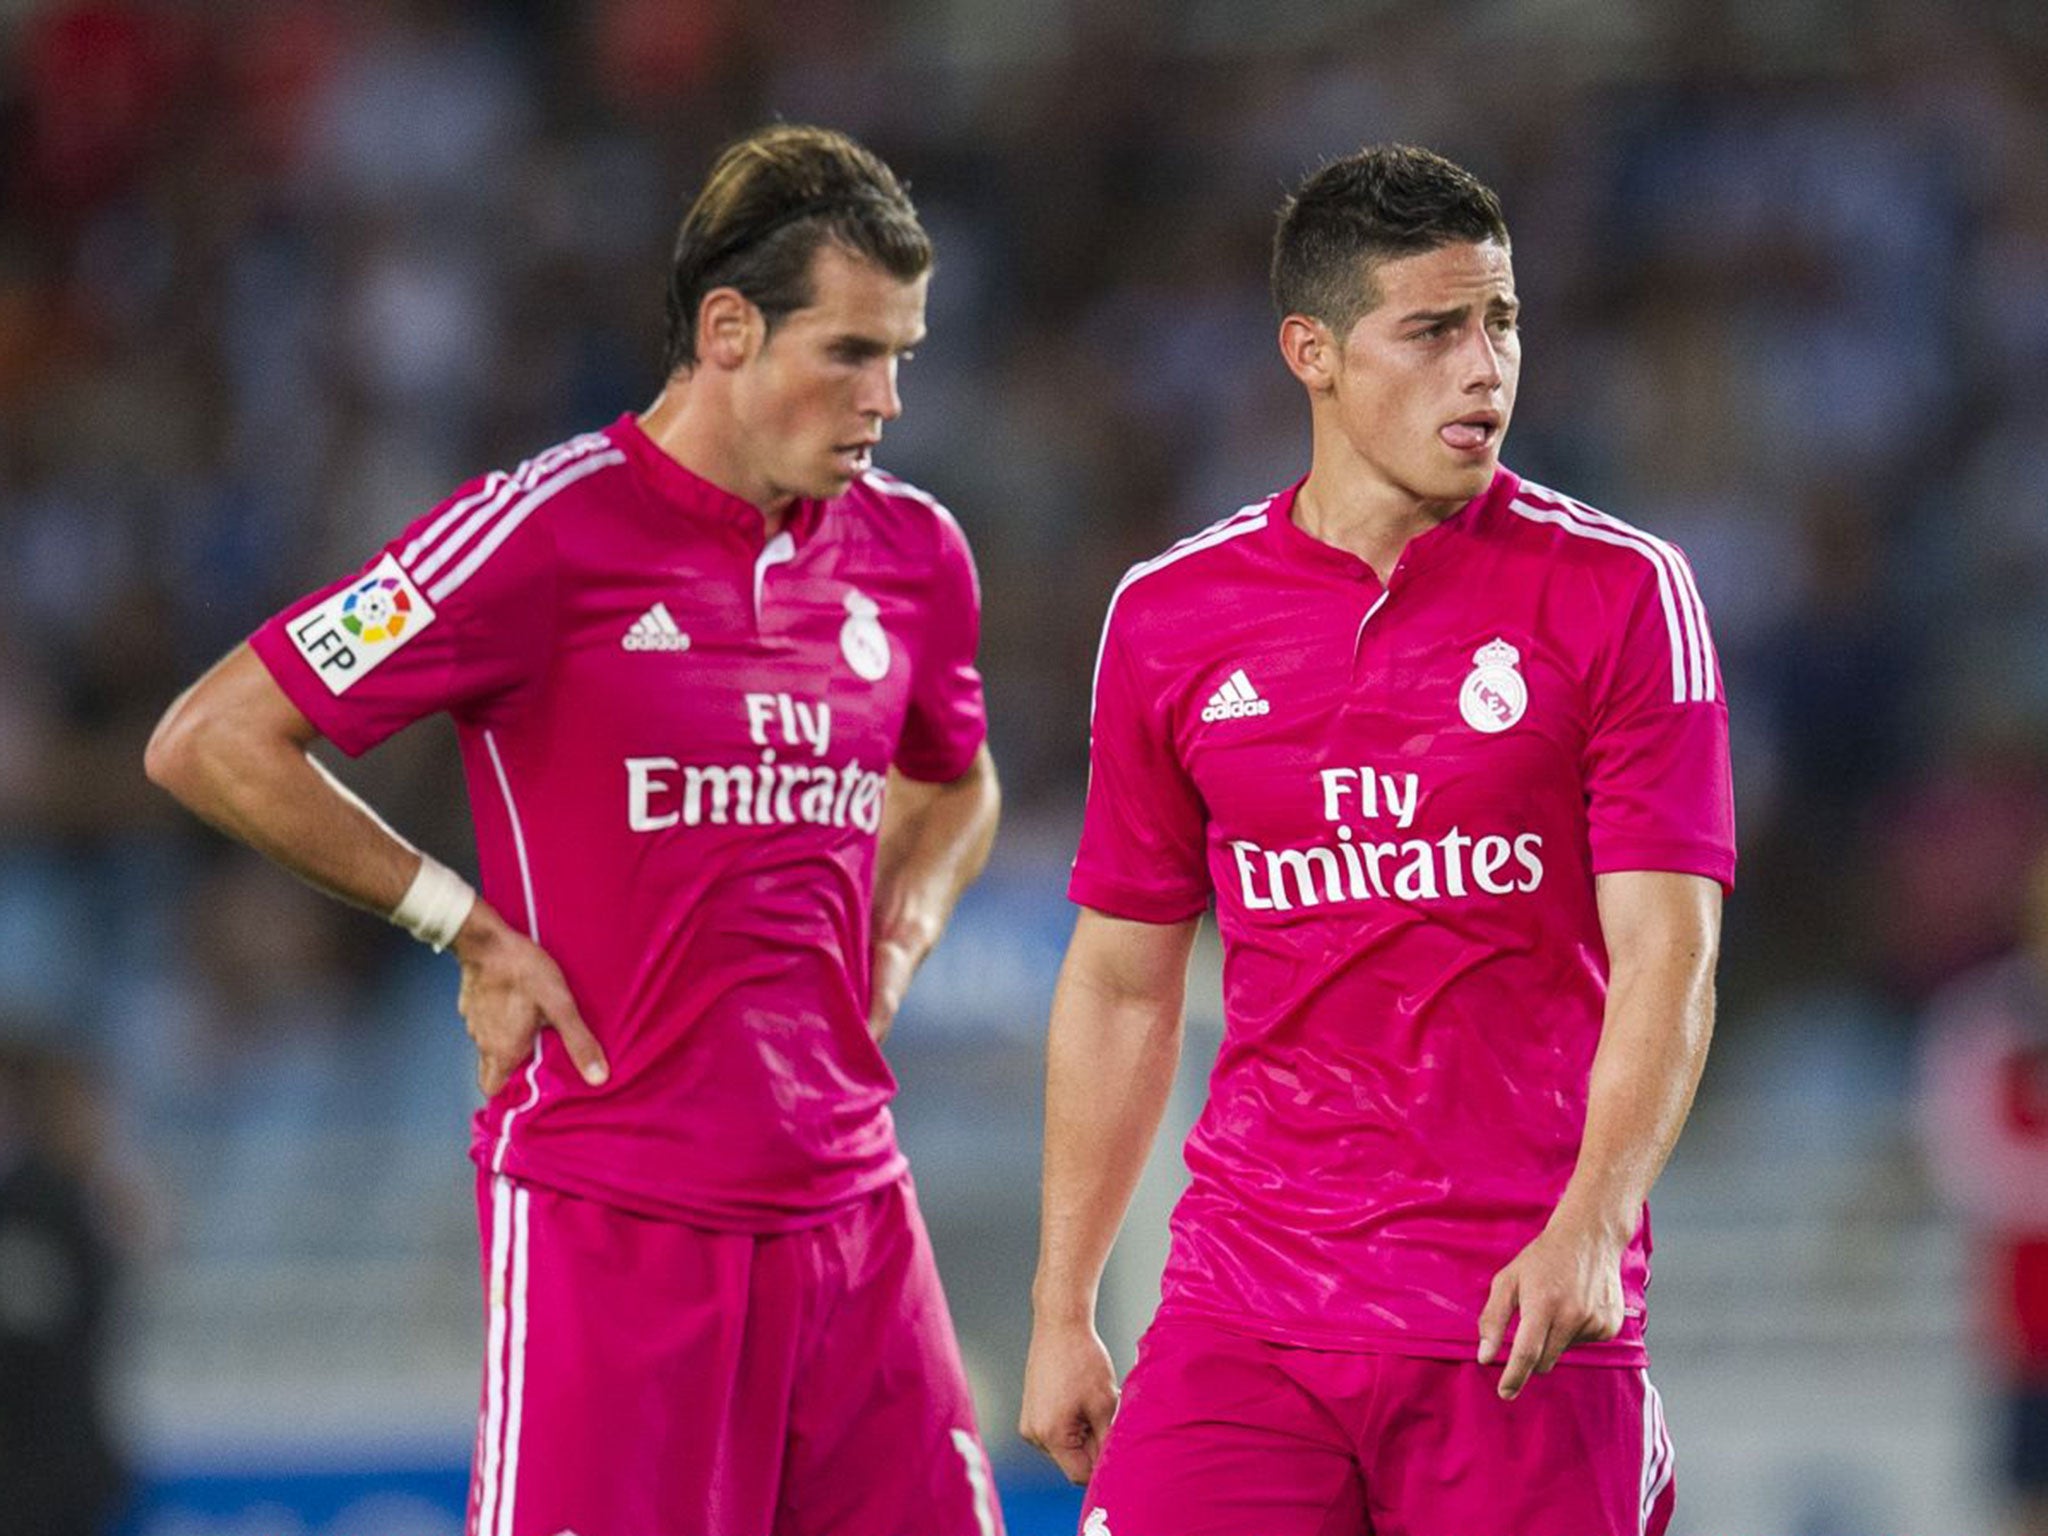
[(1385, 201), (770, 201)]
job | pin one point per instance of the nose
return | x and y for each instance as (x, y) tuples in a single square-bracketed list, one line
[(879, 395), (1483, 367)]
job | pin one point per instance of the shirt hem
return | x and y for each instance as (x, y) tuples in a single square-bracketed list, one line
[(1610, 1353), (710, 1212), (937, 769), (1716, 864), (1133, 906)]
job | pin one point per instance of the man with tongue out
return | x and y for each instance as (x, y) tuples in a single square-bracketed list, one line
[(1447, 752), (684, 654)]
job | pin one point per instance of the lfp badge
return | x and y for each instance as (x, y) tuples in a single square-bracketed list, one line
[(377, 610), (355, 629)]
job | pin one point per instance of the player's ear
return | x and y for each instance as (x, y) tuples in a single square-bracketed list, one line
[(729, 327), (1310, 351)]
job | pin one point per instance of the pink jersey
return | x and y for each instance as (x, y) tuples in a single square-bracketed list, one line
[(1398, 797), (675, 736)]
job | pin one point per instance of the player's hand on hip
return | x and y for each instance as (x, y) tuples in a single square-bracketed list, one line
[(890, 966), (1566, 1287), (1070, 1396), (511, 990)]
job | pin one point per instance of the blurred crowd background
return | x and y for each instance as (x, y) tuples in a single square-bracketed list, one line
[(276, 274)]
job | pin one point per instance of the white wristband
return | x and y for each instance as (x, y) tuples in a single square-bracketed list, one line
[(435, 905)]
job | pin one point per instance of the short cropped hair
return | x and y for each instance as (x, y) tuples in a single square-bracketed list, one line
[(1385, 201), (770, 201)]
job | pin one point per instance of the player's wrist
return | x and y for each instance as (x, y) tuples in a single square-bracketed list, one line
[(1063, 1306), (436, 906), (483, 932), (1607, 1222), (915, 933)]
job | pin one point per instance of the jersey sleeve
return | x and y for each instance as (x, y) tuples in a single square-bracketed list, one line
[(1144, 830), (947, 720), (443, 618), (1659, 792)]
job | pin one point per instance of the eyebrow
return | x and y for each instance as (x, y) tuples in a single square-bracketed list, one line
[(1440, 316), (874, 346)]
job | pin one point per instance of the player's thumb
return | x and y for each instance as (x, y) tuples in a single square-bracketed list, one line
[(1076, 1457), (1493, 1320), (581, 1043)]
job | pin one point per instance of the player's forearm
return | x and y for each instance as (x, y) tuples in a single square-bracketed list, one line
[(1663, 942), (1110, 1063), (935, 841), (231, 752)]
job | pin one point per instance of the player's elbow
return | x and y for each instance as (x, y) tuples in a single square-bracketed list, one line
[(169, 757), (189, 746)]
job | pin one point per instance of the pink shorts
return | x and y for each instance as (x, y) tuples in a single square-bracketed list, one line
[(1219, 1434), (648, 1378)]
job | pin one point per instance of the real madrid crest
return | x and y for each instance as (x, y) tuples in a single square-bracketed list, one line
[(1495, 695), (862, 640)]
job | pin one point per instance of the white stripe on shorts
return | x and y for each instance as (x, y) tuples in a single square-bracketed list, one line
[(505, 1365), (1657, 1454), (498, 1302)]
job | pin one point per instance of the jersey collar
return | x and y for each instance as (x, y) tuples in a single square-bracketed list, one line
[(674, 485), (1424, 549)]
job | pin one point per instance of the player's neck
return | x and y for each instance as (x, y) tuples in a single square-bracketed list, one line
[(697, 431), (1364, 516)]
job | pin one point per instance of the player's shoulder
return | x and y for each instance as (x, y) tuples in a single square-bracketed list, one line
[(895, 502), (546, 474), (484, 518), (1613, 551), (1183, 577)]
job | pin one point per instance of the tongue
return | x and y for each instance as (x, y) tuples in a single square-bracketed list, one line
[(1465, 434)]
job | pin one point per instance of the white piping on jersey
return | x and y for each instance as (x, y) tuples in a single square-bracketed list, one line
[(1377, 604), (1246, 519), (533, 933), (888, 485), (509, 522), (497, 489), (779, 550), (1692, 664), (1699, 647)]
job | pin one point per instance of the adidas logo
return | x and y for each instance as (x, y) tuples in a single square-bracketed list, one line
[(1235, 700), (655, 630)]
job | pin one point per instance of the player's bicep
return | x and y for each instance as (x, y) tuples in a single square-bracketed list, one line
[(226, 744), (237, 693), (1125, 961), (1651, 915)]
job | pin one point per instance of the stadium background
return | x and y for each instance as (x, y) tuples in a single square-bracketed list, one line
[(276, 273)]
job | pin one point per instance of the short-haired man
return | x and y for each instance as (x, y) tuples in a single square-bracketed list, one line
[(1449, 753), (714, 682)]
